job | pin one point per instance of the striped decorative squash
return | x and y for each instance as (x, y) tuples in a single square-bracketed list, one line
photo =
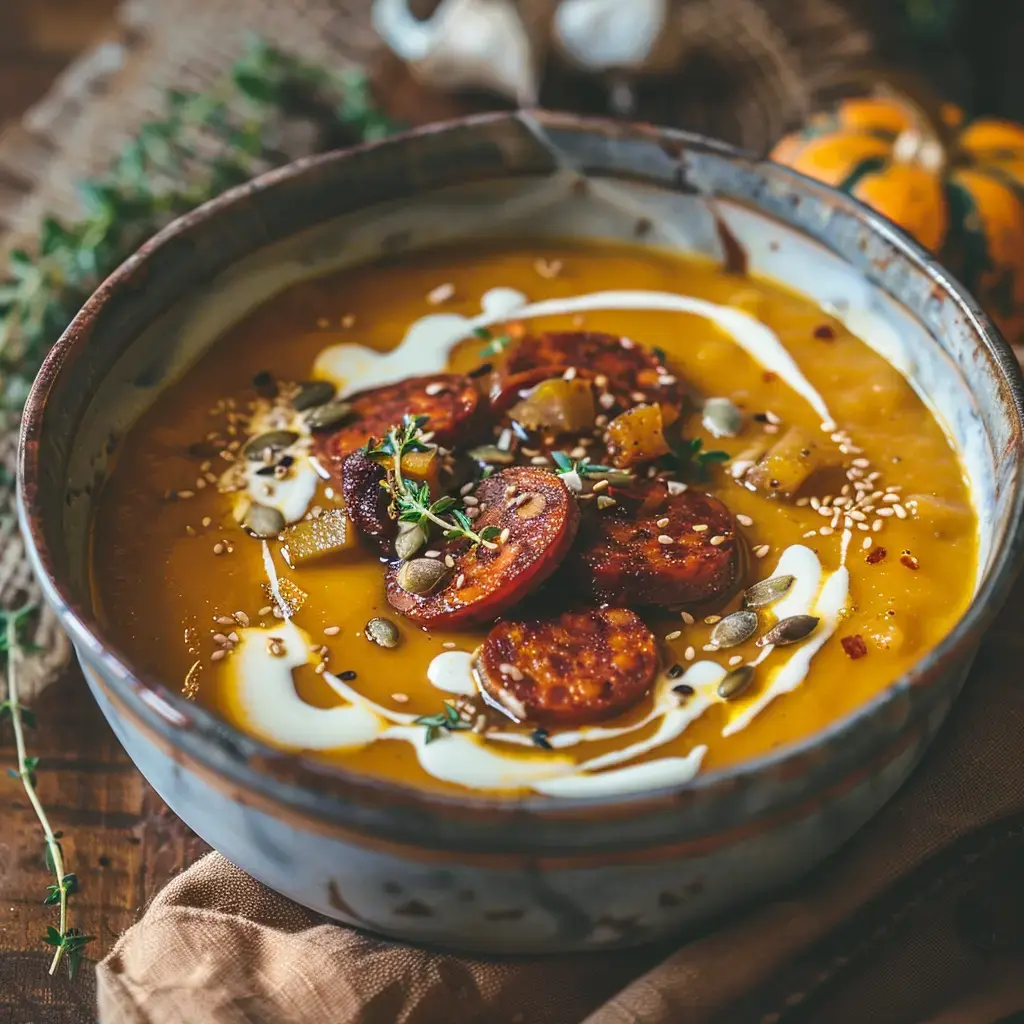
[(958, 189)]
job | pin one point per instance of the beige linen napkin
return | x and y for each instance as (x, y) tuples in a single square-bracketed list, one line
[(920, 918)]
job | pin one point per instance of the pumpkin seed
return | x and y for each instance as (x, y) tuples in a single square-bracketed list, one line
[(383, 632), (762, 594), (331, 414), (735, 683), (313, 393), (734, 629), (721, 418), (263, 521), (492, 455), (271, 441), (422, 575), (411, 537), (789, 631)]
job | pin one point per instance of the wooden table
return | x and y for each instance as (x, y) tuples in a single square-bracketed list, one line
[(120, 838)]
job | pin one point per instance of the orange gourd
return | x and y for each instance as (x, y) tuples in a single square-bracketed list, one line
[(958, 190)]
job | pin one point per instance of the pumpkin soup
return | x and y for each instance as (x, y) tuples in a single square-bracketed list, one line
[(578, 523)]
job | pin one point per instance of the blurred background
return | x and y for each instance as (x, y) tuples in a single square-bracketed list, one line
[(38, 38)]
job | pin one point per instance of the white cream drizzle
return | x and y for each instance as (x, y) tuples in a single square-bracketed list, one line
[(451, 672), (428, 342), (807, 596)]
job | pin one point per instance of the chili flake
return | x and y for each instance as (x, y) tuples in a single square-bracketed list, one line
[(875, 556), (854, 646), (909, 561)]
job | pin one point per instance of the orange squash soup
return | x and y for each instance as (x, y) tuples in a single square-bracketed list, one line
[(574, 522)]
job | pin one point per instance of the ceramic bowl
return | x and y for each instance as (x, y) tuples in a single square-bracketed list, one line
[(535, 875)]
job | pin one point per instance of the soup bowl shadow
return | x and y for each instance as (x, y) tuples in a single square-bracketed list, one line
[(533, 875)]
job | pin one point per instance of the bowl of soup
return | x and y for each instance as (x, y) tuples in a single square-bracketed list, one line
[(528, 534)]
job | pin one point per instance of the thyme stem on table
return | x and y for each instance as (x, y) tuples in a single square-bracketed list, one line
[(67, 942)]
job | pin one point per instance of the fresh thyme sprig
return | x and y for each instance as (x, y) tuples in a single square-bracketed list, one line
[(205, 143), (495, 345), (448, 719), (411, 500), (67, 942), (689, 456)]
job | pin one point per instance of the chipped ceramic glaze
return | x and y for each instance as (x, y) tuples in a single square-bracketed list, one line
[(544, 876)]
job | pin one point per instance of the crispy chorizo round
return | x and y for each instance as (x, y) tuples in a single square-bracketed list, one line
[(579, 668), (536, 517), (626, 371), (366, 501), (657, 548), (450, 401)]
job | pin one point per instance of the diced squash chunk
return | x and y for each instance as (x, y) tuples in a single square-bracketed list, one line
[(293, 597), (637, 435), (559, 405), (787, 464), (422, 466), (332, 533)]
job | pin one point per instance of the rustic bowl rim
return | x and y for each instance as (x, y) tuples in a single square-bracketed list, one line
[(85, 629)]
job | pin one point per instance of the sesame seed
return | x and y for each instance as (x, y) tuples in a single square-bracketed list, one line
[(886, 512), (687, 618), (626, 342), (663, 522), (718, 540), (190, 530), (815, 503), (432, 554), (450, 562), (460, 580), (570, 373), (436, 388), (868, 541), (638, 396), (449, 645), (735, 659), (265, 610), (600, 485), (217, 655), (801, 502), (811, 533), (890, 497), (771, 417), (442, 293), (877, 525), (511, 671), (761, 550), (858, 516), (242, 619), (540, 460), (320, 668), (206, 521), (469, 500), (665, 539), (862, 463), (218, 548), (186, 494), (503, 537), (744, 520), (712, 619), (606, 400), (901, 512), (824, 510), (466, 488), (689, 654), (601, 381), (674, 635), (332, 630), (700, 527), (826, 531), (510, 491), (400, 698), (847, 523)]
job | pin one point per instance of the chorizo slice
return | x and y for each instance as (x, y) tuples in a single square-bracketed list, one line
[(450, 401), (628, 372), (366, 501), (582, 667), (540, 516), (658, 548)]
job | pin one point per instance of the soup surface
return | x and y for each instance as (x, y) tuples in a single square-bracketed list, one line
[(623, 446)]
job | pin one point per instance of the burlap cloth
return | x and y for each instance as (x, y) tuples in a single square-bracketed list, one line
[(920, 918)]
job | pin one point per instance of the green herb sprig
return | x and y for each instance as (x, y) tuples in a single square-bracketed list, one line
[(690, 458), (448, 720), (593, 470), (495, 344), (411, 500), (68, 942)]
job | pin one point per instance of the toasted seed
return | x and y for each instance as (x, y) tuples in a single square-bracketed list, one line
[(313, 393), (411, 537), (263, 521), (762, 594), (734, 629), (422, 575), (789, 631), (532, 506), (329, 415), (492, 455), (265, 445), (721, 417), (382, 632), (735, 682)]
